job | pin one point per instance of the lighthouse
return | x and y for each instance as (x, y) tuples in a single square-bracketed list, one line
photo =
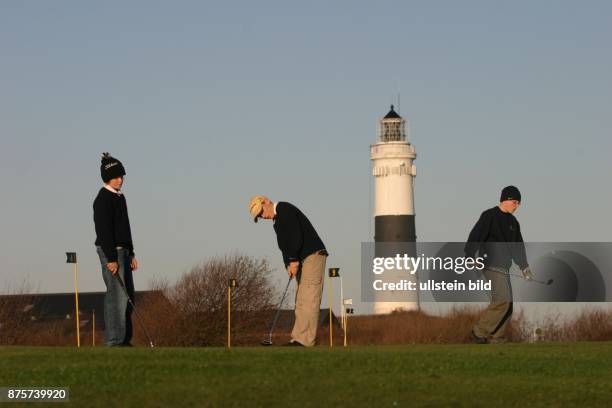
[(394, 172)]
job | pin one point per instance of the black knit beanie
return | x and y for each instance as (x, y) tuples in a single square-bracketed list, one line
[(111, 168), (510, 193)]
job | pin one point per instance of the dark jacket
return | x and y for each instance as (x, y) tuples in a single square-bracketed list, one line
[(112, 223), (498, 236), (295, 234)]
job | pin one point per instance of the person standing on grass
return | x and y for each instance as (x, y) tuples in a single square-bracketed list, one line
[(495, 237), (304, 255), (116, 252)]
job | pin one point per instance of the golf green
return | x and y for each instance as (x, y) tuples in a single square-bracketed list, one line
[(522, 375)]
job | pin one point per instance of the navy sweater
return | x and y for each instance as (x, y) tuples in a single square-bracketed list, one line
[(498, 235), (112, 223), (295, 234)]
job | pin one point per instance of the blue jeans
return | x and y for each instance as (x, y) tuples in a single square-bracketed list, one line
[(117, 310)]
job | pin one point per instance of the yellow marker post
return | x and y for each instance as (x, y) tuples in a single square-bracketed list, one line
[(93, 328), (71, 257), (76, 304), (329, 301), (232, 283), (341, 306), (332, 273), (229, 317)]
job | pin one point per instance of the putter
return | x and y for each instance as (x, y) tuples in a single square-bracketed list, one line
[(134, 308), (268, 341), (518, 275)]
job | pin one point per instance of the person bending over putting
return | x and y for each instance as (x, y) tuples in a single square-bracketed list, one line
[(116, 252), (495, 237), (304, 255)]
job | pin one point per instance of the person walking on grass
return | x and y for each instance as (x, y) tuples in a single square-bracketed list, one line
[(497, 237), (116, 252), (304, 255)]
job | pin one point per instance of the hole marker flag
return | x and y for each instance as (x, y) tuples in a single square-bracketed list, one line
[(71, 257)]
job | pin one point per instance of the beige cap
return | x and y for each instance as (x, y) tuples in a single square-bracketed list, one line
[(256, 205)]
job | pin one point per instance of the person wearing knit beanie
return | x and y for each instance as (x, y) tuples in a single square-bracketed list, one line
[(116, 252), (510, 199), (497, 238), (110, 168), (510, 193)]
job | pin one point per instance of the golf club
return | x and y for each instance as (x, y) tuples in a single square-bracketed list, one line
[(268, 341), (134, 308), (518, 275)]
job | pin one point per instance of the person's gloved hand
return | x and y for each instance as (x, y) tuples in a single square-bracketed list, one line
[(527, 274)]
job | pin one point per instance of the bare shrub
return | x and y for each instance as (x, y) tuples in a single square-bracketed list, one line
[(15, 316), (160, 316), (54, 333), (417, 327), (193, 312), (590, 325), (412, 327)]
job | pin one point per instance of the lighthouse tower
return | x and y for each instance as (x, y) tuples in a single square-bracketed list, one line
[(393, 170)]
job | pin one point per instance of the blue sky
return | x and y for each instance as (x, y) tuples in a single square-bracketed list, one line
[(209, 103)]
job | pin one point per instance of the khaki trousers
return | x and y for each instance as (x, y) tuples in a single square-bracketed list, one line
[(308, 299), (494, 320)]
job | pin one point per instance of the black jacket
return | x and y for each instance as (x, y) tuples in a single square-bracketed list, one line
[(112, 223), (295, 234), (498, 235)]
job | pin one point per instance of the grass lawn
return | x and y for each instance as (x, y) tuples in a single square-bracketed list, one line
[(521, 375)]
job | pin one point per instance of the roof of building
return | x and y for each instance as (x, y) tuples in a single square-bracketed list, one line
[(56, 306), (392, 114)]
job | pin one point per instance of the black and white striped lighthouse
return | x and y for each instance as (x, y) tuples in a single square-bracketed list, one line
[(393, 170)]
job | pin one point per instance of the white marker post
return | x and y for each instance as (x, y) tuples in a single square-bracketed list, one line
[(346, 302)]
